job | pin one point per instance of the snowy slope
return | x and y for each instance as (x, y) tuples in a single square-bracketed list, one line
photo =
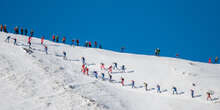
[(47, 82)]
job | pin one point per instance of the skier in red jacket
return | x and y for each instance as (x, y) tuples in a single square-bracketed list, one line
[(210, 60), (42, 40), (53, 37)]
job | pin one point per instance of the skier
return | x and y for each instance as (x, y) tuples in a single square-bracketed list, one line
[(110, 77), (5, 28), (208, 96), (103, 76), (7, 39), (64, 55), (95, 44), (110, 69), (174, 90), (216, 59), (46, 49), (1, 27), (16, 30), (22, 31), (157, 51), (25, 31), (158, 89), (96, 74), (83, 68), (29, 41), (77, 42), (122, 49), (100, 46), (123, 68), (115, 65), (90, 44), (122, 81), (53, 37), (132, 84), (102, 66), (86, 44), (192, 93), (87, 71), (64, 39), (210, 60), (57, 38), (15, 41), (42, 39), (145, 85), (73, 41), (83, 60), (32, 32)]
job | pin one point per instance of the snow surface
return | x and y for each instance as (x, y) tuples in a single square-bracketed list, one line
[(48, 82)]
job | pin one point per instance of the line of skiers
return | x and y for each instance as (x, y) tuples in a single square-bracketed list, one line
[(216, 60)]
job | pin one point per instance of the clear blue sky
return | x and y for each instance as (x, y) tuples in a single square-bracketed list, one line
[(188, 27)]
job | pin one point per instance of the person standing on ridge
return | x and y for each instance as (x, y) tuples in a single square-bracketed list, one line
[(100, 46), (216, 59), (73, 41), (5, 28), (77, 42), (53, 38), (210, 60), (42, 40), (95, 44), (32, 32), (22, 31), (57, 38), (90, 44), (1, 27), (25, 31), (64, 39), (122, 49)]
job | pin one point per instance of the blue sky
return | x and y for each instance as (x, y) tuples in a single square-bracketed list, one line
[(188, 27)]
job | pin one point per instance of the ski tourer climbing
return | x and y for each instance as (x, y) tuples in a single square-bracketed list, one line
[(96, 74), (64, 55), (115, 65), (46, 49), (158, 89), (102, 66), (110, 69), (132, 84), (83, 60), (208, 96), (103, 76), (7, 39), (123, 68), (174, 90), (110, 77), (192, 93), (122, 81), (145, 85)]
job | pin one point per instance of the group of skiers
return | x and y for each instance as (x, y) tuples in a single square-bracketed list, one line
[(216, 60), (4, 28), (85, 71)]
